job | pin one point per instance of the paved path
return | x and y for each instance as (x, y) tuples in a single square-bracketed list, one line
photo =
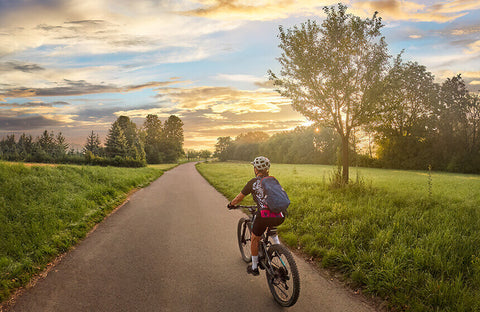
[(172, 247)]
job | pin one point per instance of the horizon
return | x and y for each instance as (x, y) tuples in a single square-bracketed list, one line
[(76, 66)]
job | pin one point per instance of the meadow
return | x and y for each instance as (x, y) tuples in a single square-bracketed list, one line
[(411, 238), (45, 210)]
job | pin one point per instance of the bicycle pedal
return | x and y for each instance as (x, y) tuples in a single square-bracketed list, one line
[(261, 266)]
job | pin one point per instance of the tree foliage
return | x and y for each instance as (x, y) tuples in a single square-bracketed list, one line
[(408, 116), (152, 128), (223, 148)]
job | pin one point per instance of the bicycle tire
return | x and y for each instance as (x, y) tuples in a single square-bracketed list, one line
[(244, 239), (284, 284)]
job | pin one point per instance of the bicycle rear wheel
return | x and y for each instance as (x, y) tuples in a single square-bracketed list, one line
[(284, 284), (244, 239)]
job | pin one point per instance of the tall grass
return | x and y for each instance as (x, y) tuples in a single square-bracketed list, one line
[(44, 210), (405, 236)]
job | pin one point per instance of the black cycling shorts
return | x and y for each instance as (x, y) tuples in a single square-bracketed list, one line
[(260, 223)]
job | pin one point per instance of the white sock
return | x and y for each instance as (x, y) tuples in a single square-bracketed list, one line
[(254, 262), (275, 239)]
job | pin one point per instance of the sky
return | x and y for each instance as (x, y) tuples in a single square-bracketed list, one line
[(74, 66)]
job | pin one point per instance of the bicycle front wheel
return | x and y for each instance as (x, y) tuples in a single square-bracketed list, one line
[(244, 239), (283, 280)]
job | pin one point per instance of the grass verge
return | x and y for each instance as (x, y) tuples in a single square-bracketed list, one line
[(409, 237), (44, 210)]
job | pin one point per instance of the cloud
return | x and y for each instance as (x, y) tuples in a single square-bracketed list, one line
[(71, 27), (468, 30), (214, 116), (256, 81), (223, 99), (81, 87), (26, 123), (412, 11), (35, 104), (257, 10), (473, 48), (456, 6), (20, 66)]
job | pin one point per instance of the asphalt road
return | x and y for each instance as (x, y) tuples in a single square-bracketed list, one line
[(171, 247)]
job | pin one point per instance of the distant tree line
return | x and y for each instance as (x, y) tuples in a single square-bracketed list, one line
[(304, 145), (126, 145), (194, 155)]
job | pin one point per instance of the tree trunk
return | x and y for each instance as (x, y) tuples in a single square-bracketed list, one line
[(345, 164)]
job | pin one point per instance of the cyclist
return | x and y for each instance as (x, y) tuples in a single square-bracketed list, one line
[(263, 217)]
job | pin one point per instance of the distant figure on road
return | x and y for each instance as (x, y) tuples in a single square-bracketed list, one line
[(264, 218)]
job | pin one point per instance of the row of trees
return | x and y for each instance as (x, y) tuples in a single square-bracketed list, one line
[(419, 123), (126, 145)]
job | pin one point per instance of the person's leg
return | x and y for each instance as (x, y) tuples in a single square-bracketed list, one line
[(258, 228), (254, 250)]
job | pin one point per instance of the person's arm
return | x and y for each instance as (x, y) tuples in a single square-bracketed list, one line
[(237, 199)]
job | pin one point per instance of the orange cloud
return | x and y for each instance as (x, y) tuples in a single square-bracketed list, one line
[(413, 11), (223, 99), (257, 10), (473, 47)]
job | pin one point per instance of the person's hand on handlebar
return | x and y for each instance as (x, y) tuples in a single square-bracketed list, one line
[(236, 200)]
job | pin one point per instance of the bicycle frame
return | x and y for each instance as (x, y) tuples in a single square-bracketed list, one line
[(264, 242)]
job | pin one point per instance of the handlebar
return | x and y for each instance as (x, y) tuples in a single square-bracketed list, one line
[(252, 209)]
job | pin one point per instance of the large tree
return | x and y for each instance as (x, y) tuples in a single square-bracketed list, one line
[(152, 128), (331, 71), (116, 144), (135, 148), (172, 139)]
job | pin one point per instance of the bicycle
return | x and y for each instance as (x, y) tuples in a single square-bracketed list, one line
[(277, 261)]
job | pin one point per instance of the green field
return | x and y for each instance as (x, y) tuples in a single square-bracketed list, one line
[(409, 237), (44, 210)]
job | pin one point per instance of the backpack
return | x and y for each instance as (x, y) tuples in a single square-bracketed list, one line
[(275, 196)]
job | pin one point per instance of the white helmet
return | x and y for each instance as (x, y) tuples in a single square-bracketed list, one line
[(261, 163)]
